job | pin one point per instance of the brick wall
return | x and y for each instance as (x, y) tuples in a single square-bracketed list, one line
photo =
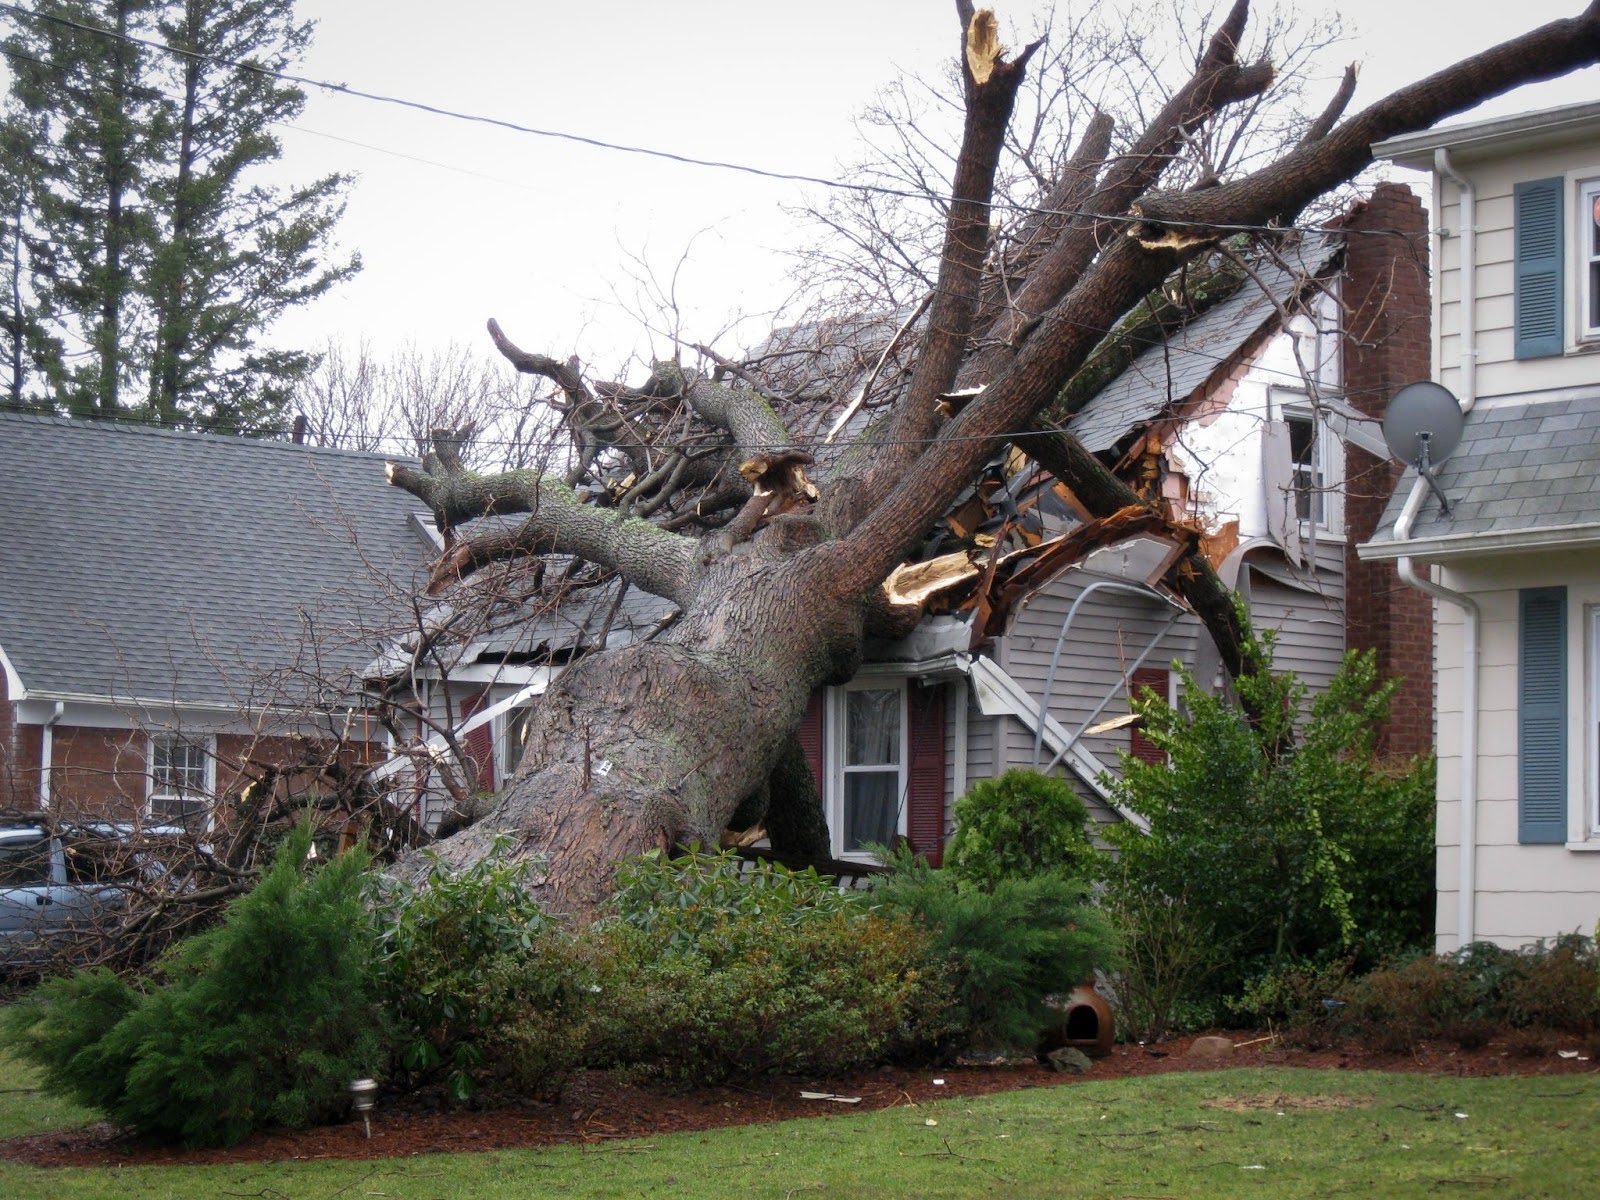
[(17, 785), (1386, 346), (97, 772), (101, 773)]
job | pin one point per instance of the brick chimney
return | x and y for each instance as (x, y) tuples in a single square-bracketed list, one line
[(1386, 346)]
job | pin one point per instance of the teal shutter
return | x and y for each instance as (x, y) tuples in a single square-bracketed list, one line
[(1540, 248), (1542, 717)]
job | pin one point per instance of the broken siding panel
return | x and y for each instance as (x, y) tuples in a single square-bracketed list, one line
[(1309, 623), (1109, 632)]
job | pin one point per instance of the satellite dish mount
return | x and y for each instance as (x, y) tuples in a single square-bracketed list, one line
[(1422, 428)]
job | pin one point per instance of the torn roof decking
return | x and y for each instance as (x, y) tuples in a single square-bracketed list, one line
[(1186, 361)]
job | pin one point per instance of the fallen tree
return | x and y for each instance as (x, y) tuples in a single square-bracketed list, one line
[(780, 577)]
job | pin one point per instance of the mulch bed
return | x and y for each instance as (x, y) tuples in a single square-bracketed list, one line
[(598, 1108)]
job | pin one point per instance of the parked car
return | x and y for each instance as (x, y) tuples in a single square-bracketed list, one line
[(62, 891)]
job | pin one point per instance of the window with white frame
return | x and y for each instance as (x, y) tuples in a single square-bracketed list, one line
[(1315, 462), (869, 776), (1305, 464), (510, 740), (180, 780), (1589, 260)]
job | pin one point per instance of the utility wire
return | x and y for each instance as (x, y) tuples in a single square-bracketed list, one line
[(621, 147)]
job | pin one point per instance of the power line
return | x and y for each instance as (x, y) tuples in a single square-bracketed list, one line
[(621, 147)]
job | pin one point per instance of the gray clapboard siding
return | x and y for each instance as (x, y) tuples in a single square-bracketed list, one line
[(1108, 634), (1308, 620)]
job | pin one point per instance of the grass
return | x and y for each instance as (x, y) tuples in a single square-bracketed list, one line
[(1263, 1134)]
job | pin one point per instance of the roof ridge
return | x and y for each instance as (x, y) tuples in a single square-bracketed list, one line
[(139, 429)]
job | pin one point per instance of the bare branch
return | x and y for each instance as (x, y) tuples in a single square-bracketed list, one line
[(661, 563)]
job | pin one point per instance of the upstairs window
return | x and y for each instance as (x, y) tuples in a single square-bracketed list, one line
[(1589, 259), (1305, 464), (180, 781), (1304, 468), (1556, 264)]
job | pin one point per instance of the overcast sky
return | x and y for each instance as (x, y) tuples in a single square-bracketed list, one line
[(458, 222)]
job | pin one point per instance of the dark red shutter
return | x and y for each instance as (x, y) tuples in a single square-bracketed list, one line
[(925, 790), (1154, 679), (811, 736), (479, 744)]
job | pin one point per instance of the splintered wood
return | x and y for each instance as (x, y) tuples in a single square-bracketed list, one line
[(983, 45), (917, 583)]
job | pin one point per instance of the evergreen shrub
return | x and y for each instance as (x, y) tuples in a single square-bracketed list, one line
[(1021, 824), (1281, 842), (1009, 946), (262, 1020), (460, 957), (706, 974)]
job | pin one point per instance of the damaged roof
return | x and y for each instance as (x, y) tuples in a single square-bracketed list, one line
[(1168, 373)]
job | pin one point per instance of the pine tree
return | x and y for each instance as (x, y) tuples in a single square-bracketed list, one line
[(159, 256), (97, 130), (234, 253)]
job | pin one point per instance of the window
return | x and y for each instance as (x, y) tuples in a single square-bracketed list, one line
[(1589, 259), (25, 861), (1305, 464), (871, 770), (1557, 235), (180, 780), (511, 739)]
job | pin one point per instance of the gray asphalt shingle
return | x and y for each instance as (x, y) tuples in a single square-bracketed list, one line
[(1175, 370), (191, 568), (1522, 466)]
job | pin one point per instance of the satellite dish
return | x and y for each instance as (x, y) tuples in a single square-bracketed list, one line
[(1423, 415), (1422, 428)]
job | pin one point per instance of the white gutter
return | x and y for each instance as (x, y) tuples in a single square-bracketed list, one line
[(1474, 545), (47, 751), (998, 694)]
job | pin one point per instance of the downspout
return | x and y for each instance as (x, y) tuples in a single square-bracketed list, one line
[(1466, 883), (1466, 275), (1407, 568), (47, 751), (1466, 894)]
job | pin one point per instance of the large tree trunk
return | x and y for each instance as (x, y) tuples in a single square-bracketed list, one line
[(654, 744), (657, 743)]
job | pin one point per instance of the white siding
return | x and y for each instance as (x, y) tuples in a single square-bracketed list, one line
[(1499, 372), (1522, 892)]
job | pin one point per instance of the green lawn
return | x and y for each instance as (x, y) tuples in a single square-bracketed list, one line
[(1265, 1134)]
